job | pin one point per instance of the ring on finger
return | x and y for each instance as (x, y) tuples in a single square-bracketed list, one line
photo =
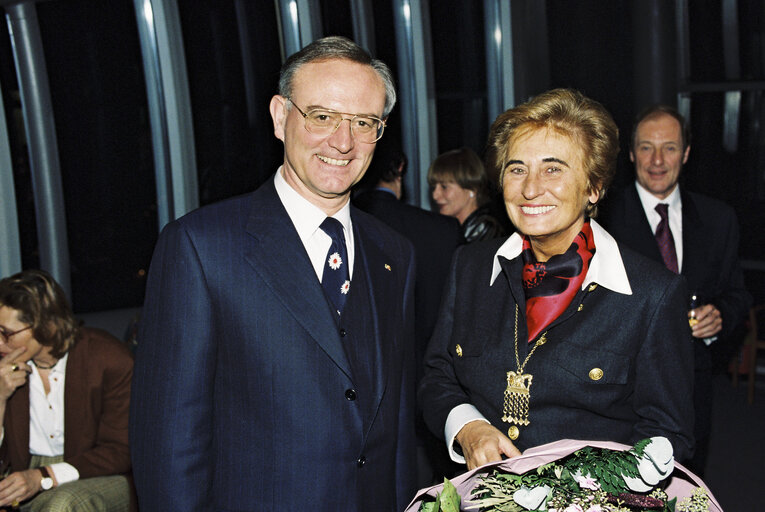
[(14, 367)]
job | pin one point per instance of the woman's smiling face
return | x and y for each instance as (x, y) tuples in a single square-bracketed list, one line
[(545, 189)]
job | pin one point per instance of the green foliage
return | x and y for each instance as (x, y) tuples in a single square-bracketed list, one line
[(446, 501), (606, 466)]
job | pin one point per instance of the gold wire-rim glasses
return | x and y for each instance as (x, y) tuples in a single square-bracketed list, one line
[(315, 126)]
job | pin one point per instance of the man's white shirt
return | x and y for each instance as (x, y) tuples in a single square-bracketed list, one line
[(307, 217)]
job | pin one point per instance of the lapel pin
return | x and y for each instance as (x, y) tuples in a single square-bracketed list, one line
[(458, 350), (387, 267)]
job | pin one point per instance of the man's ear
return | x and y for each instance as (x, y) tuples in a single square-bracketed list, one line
[(278, 109), (632, 157), (685, 154)]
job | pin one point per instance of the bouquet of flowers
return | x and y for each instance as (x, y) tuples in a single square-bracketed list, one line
[(576, 476)]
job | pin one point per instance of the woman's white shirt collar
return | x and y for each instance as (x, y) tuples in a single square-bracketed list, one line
[(606, 268)]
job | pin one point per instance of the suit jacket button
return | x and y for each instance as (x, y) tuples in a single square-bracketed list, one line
[(350, 394), (596, 374), (361, 461), (342, 333)]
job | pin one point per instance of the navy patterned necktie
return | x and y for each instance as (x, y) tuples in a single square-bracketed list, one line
[(336, 278), (665, 240)]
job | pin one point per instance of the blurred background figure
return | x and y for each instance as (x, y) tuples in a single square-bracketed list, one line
[(695, 236), (64, 402), (461, 189), (434, 237)]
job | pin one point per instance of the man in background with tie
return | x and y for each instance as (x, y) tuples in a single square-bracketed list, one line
[(275, 359), (693, 235)]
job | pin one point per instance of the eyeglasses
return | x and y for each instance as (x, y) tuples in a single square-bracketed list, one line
[(7, 335), (323, 122)]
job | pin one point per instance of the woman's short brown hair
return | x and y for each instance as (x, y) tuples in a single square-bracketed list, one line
[(41, 303), (569, 113), (464, 167)]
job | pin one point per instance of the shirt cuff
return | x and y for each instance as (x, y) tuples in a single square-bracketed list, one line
[(458, 418), (64, 472), (710, 340)]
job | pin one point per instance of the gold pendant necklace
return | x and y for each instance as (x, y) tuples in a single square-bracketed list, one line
[(516, 404)]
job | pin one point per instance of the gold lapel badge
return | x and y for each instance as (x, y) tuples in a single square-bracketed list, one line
[(458, 350), (387, 267)]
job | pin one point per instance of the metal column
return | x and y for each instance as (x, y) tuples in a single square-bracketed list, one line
[(41, 138)]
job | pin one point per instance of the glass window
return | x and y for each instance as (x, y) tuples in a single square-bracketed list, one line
[(459, 63), (233, 59), (735, 178), (97, 87), (336, 18), (385, 48)]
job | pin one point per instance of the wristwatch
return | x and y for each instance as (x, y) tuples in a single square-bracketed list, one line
[(46, 482)]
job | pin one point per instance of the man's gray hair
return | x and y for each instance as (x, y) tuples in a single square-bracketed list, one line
[(336, 47)]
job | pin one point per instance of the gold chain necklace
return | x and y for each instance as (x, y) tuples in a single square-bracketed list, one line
[(516, 404)]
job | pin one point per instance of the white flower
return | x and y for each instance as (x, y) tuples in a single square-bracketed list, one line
[(532, 499), (334, 261), (655, 465), (586, 482), (345, 287)]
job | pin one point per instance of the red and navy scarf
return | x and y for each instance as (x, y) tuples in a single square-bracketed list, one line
[(551, 286)]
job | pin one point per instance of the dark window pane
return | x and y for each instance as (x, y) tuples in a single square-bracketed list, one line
[(235, 145), (459, 62), (733, 177), (98, 90), (385, 48), (336, 18)]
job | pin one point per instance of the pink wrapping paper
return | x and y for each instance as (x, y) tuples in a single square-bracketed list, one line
[(682, 481)]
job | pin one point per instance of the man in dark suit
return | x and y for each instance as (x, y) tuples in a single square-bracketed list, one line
[(258, 386), (693, 235), (434, 237)]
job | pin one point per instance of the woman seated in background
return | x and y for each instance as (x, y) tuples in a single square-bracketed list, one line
[(64, 401), (557, 332), (461, 189)]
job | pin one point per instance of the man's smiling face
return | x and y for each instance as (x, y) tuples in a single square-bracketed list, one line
[(658, 154), (324, 168)]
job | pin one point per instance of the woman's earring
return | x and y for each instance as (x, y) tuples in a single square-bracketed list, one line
[(472, 193)]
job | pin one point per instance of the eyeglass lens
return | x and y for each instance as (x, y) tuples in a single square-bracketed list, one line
[(364, 129)]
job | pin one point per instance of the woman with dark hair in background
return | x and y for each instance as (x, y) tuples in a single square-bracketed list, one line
[(461, 189), (64, 402), (557, 332)]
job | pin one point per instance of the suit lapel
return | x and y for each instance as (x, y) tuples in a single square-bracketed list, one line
[(371, 261), (694, 237), (638, 228), (278, 256), (75, 392)]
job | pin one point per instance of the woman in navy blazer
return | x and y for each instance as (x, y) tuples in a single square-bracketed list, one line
[(557, 332)]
